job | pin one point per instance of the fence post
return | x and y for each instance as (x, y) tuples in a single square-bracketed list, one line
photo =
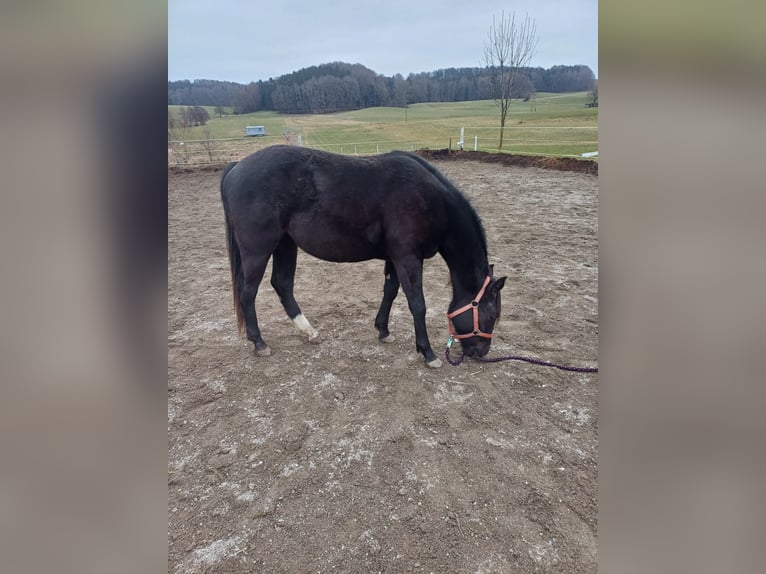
[(475, 143)]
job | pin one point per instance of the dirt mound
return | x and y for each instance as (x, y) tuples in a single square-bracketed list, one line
[(212, 167), (560, 163), (507, 159)]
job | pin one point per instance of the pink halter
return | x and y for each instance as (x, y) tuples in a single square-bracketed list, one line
[(472, 305)]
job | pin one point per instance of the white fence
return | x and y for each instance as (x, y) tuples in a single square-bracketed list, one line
[(520, 139), (535, 140)]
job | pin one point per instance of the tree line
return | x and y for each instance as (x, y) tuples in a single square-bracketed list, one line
[(339, 86)]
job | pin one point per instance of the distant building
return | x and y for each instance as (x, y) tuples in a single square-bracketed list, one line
[(255, 131)]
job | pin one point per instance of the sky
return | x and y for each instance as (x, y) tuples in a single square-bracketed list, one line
[(246, 41)]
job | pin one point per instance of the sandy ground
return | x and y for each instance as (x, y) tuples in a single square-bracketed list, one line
[(351, 455)]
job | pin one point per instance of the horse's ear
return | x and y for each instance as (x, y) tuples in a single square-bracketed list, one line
[(491, 269), (498, 284)]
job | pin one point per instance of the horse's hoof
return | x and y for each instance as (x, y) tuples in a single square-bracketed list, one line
[(387, 339), (314, 338), (263, 352), (435, 364)]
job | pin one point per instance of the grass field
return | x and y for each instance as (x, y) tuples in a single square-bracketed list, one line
[(559, 125)]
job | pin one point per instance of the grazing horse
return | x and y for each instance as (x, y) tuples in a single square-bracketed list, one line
[(396, 207)]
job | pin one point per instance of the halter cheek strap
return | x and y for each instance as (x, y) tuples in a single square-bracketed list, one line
[(472, 305)]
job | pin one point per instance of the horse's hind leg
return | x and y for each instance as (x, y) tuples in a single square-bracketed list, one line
[(390, 290), (248, 281), (283, 279)]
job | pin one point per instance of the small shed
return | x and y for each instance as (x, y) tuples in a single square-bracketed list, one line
[(255, 131)]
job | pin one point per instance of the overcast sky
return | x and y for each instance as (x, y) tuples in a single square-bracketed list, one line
[(246, 41)]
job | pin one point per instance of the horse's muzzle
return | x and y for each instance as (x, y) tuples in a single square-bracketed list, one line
[(476, 348)]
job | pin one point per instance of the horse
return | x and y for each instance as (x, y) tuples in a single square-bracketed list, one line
[(394, 207)]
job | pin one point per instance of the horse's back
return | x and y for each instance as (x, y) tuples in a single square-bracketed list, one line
[(297, 179), (336, 207)]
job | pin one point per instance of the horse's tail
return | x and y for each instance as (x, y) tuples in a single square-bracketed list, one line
[(235, 258)]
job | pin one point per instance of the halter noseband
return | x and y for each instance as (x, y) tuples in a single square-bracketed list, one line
[(472, 305)]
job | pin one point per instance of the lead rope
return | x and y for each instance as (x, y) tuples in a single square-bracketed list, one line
[(460, 359)]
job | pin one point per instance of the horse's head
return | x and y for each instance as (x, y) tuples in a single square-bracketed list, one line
[(473, 323)]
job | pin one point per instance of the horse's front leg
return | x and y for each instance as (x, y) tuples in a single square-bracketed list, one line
[(410, 272), (390, 290)]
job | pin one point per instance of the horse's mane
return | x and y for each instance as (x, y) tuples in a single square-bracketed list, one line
[(458, 205)]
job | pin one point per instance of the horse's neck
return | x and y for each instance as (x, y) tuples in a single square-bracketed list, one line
[(468, 267), (466, 285), (464, 248)]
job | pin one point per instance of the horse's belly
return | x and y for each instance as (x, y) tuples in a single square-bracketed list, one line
[(348, 254), (333, 244)]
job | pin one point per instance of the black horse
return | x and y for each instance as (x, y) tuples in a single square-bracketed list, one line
[(396, 207)]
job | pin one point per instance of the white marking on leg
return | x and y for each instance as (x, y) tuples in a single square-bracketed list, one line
[(303, 325)]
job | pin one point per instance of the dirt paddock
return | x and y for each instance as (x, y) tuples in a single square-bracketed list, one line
[(351, 455)]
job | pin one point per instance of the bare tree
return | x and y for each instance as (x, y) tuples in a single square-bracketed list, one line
[(509, 47), (208, 143), (594, 93), (178, 132)]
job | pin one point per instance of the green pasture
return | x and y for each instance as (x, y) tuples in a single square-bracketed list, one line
[(558, 124)]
